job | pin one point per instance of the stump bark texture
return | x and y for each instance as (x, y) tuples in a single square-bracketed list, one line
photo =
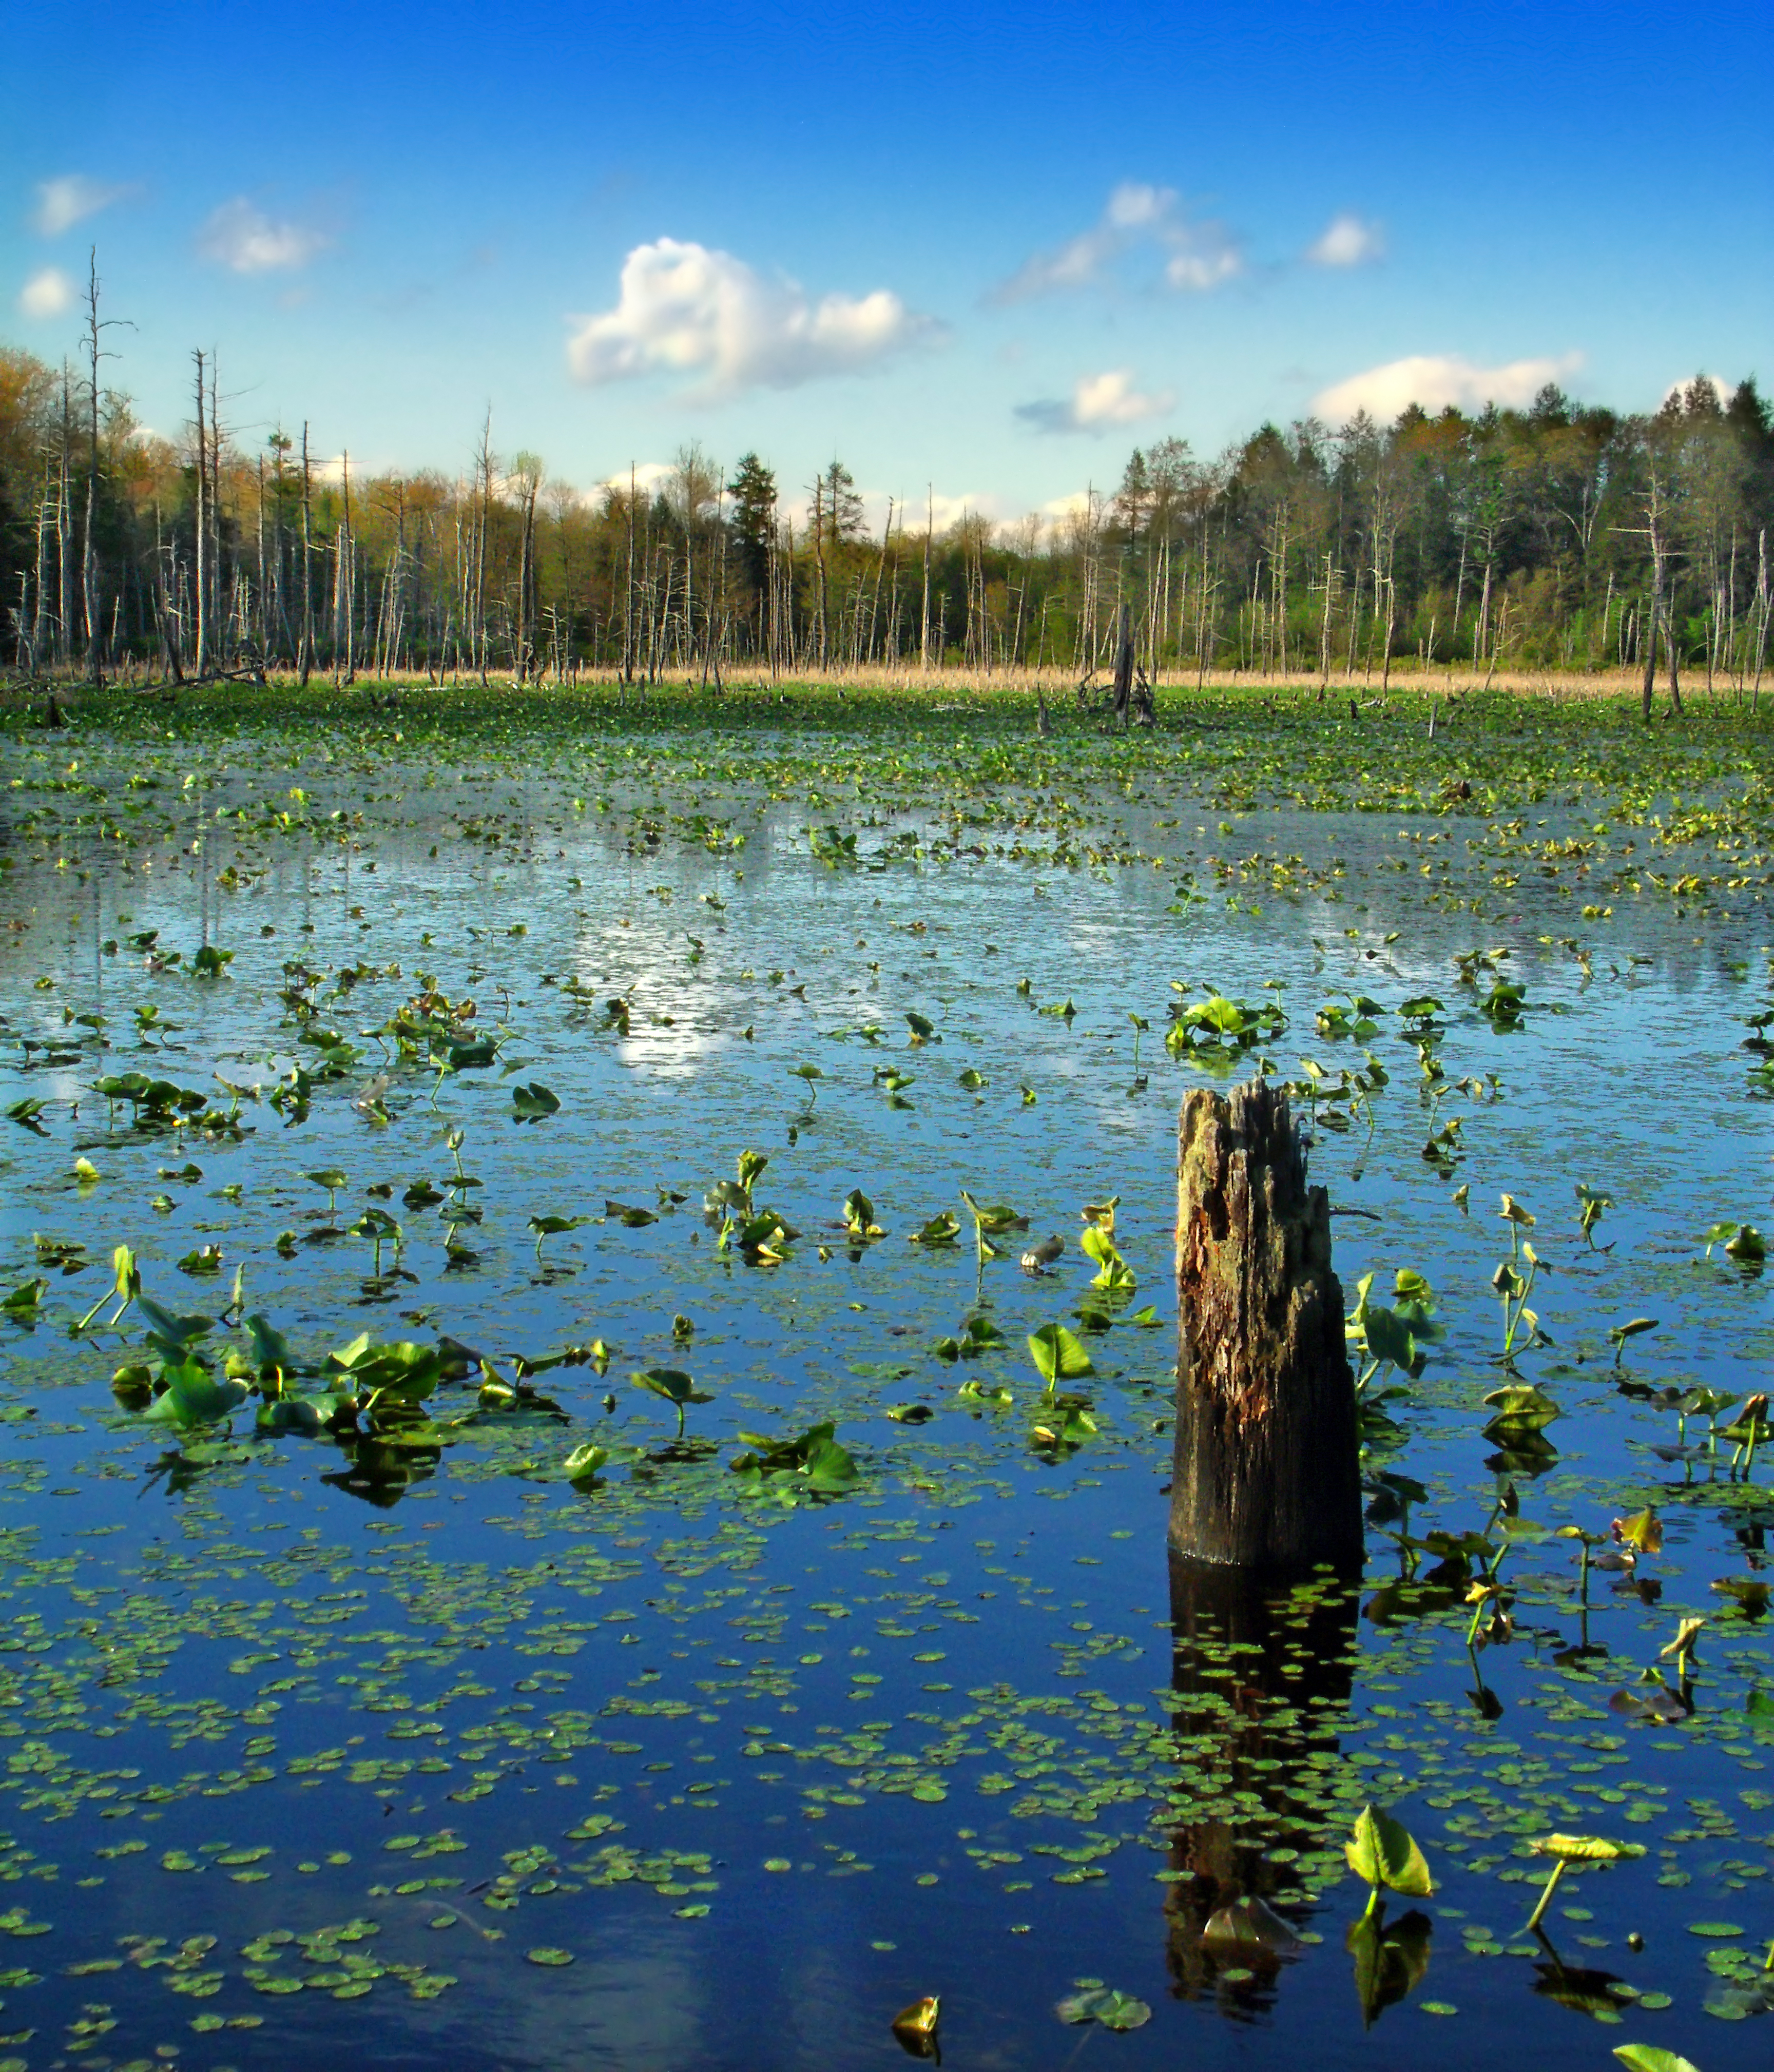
[(1266, 1475)]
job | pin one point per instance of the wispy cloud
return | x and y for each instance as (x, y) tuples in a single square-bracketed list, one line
[(1434, 381), (1347, 241), (242, 237), (1198, 254), (48, 293), (1098, 403), (69, 198), (684, 308)]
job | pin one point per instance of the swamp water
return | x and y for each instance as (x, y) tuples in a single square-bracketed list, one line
[(421, 1732)]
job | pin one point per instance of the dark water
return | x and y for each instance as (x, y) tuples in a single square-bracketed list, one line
[(310, 1742)]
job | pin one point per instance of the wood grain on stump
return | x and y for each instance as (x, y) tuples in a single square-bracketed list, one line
[(1267, 1462)]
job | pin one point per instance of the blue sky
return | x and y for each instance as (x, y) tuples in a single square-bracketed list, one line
[(987, 250)]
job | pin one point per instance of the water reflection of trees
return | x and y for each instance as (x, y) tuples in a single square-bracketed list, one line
[(1260, 1673)]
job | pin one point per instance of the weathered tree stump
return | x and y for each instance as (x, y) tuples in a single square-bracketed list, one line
[(1267, 1461)]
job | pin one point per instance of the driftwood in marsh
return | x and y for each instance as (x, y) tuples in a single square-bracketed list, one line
[(1266, 1475)]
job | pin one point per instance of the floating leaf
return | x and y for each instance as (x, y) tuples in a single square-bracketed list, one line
[(1656, 1704), (1105, 2005)]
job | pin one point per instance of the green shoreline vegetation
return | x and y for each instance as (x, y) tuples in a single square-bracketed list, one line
[(1559, 539)]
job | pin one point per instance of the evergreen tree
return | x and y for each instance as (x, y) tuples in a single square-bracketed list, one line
[(753, 523)]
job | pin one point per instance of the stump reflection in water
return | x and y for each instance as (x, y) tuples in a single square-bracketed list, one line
[(1261, 1673)]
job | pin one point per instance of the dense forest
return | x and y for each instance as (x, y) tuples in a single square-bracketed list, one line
[(1556, 537)]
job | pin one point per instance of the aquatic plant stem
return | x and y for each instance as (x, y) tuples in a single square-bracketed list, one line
[(1539, 1914)]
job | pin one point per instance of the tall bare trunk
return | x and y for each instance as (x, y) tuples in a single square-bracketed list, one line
[(306, 664), (929, 529), (95, 651), (201, 658)]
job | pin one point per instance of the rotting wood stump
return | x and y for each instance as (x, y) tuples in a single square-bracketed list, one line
[(1267, 1474)]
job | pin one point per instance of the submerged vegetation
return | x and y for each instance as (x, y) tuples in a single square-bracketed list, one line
[(587, 1341)]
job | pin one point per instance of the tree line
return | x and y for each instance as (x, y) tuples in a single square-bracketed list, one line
[(1559, 536)]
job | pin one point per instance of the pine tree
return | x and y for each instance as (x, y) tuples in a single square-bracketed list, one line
[(753, 522), (842, 506)]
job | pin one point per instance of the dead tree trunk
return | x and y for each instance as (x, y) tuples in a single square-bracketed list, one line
[(1124, 667), (1267, 1473)]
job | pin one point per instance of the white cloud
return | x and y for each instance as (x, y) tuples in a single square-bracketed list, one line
[(1719, 386), (47, 293), (1207, 257), (246, 241), (685, 309), (648, 475), (1201, 254), (1435, 380), (912, 514), (1348, 242), (62, 202), (1098, 403)]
